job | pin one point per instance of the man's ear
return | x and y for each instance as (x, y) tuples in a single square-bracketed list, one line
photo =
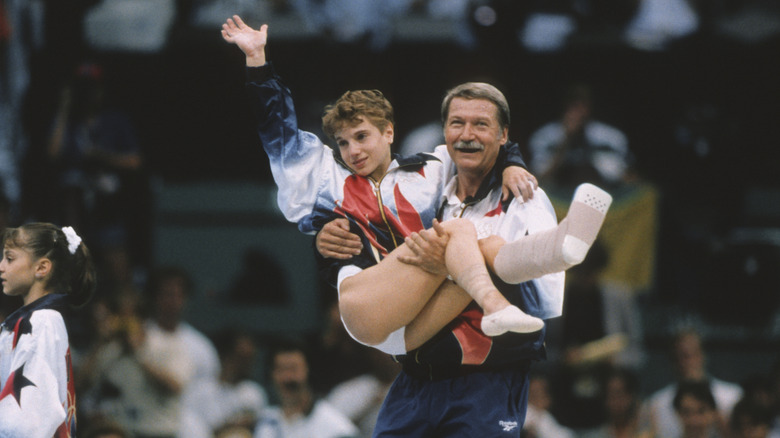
[(42, 267)]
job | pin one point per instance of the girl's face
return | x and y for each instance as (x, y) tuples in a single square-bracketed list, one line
[(17, 271), (366, 149)]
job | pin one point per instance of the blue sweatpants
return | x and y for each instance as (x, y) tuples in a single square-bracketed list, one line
[(483, 404)]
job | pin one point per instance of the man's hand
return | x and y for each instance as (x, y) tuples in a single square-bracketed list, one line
[(250, 41), (335, 241), (519, 182), (428, 247)]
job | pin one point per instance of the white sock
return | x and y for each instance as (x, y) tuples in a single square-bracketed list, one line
[(510, 319), (476, 281)]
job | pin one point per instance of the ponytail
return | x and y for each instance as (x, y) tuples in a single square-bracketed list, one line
[(73, 270), (83, 277)]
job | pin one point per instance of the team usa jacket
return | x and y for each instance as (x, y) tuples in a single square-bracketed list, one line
[(37, 397)]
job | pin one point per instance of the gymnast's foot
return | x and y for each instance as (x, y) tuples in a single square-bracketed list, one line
[(584, 219), (510, 319)]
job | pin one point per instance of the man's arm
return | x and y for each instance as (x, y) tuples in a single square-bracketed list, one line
[(336, 241)]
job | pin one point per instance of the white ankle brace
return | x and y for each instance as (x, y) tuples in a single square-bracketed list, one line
[(559, 248)]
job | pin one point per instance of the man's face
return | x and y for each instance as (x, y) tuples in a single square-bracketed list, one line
[(473, 135), (618, 399), (171, 299), (689, 357), (290, 371)]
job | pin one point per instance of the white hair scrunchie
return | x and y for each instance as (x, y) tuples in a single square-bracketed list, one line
[(73, 239)]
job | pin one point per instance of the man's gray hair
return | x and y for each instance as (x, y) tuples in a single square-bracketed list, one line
[(478, 90)]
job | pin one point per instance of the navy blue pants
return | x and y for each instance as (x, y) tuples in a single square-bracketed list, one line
[(484, 404)]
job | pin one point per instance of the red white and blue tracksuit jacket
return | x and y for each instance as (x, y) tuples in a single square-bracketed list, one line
[(37, 397)]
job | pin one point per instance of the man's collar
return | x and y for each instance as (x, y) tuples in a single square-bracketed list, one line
[(450, 193)]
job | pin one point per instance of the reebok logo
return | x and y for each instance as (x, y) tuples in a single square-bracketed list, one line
[(508, 425)]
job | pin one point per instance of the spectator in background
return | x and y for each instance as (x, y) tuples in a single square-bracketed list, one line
[(119, 292), (595, 309), (577, 148), (233, 402), (759, 389), (695, 406), (97, 157), (361, 397), (627, 416), (751, 419), (335, 357), (539, 421), (298, 414), (142, 369), (117, 381), (600, 327), (690, 365), (168, 290)]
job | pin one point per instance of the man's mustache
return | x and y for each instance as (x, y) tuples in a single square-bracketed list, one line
[(468, 145)]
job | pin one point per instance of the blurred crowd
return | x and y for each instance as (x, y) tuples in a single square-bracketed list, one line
[(141, 369), (70, 153)]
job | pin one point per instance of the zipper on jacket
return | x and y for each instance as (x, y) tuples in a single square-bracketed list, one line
[(381, 206)]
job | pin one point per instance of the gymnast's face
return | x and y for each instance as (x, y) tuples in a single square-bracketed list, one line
[(17, 271), (366, 149)]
